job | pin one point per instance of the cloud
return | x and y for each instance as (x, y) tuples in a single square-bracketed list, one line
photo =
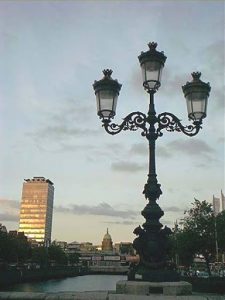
[(135, 81), (9, 203), (124, 166), (214, 57), (122, 223), (61, 132), (191, 147), (173, 209), (9, 217), (140, 149), (202, 165), (10, 210), (221, 140), (62, 127), (197, 148), (102, 209), (218, 95), (164, 152), (173, 83), (167, 222)]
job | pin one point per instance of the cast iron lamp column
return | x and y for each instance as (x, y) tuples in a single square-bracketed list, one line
[(152, 241)]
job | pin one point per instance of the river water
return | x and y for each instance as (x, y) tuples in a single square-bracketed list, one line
[(72, 284)]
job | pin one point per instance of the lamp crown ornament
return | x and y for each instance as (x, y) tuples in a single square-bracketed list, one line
[(196, 76), (152, 46), (107, 73), (196, 83)]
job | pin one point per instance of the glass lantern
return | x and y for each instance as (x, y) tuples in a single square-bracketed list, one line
[(152, 63), (107, 92), (196, 93)]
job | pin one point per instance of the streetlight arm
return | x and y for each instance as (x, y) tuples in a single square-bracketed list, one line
[(132, 122), (171, 123)]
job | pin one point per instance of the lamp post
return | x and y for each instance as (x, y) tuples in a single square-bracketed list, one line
[(151, 242)]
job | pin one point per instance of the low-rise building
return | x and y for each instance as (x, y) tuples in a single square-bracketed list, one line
[(73, 247), (61, 244), (3, 228)]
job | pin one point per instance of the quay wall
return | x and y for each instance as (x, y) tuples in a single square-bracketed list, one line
[(109, 270), (103, 295), (14, 276)]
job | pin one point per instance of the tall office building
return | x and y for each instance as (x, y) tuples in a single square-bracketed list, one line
[(223, 200), (36, 209), (216, 205)]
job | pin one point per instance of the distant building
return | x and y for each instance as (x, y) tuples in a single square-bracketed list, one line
[(73, 247), (61, 244), (223, 200), (17, 234), (3, 228), (107, 245), (13, 233), (36, 209), (216, 205), (124, 248), (87, 247)]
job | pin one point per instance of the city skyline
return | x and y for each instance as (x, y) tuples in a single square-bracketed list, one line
[(52, 52)]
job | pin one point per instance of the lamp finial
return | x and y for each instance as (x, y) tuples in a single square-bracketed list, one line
[(107, 72), (196, 76), (152, 46)]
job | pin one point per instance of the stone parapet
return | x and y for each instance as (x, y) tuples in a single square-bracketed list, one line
[(100, 295), (148, 288), (55, 296), (162, 297)]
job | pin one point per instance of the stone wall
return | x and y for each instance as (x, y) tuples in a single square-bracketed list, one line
[(13, 276), (104, 295)]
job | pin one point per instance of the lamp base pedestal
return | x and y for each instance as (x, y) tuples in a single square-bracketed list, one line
[(155, 275), (165, 273), (147, 288)]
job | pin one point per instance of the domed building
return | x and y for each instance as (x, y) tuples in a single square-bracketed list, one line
[(107, 244)]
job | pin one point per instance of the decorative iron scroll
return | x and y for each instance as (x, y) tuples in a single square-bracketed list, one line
[(171, 123), (132, 122)]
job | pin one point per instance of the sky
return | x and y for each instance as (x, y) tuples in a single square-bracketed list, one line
[(51, 52)]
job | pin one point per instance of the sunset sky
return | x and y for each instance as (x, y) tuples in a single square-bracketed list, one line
[(50, 54)]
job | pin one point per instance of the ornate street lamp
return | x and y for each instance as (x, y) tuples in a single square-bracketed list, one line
[(152, 240)]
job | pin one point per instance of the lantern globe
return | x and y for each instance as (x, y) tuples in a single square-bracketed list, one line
[(196, 93), (152, 63), (107, 92)]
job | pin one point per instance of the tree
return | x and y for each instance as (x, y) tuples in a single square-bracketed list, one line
[(73, 258), (40, 256), (23, 248), (126, 249), (199, 228), (182, 247), (14, 248), (57, 254), (220, 228), (7, 248)]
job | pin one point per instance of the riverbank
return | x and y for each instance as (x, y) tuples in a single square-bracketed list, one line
[(207, 285), (22, 275), (10, 277)]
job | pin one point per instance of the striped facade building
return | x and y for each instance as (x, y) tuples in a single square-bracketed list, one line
[(36, 209), (218, 204)]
